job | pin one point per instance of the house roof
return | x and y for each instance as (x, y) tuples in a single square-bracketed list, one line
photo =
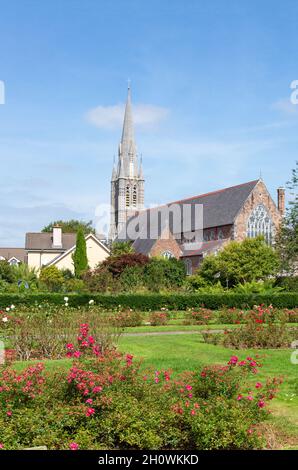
[(18, 253), (72, 249), (143, 246), (206, 247), (44, 241)]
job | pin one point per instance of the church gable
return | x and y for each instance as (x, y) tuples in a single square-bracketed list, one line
[(258, 215)]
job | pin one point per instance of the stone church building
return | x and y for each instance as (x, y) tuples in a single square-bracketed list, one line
[(234, 213)]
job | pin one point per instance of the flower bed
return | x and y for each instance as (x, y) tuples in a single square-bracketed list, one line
[(106, 401)]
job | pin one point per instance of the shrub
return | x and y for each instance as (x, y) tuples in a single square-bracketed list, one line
[(126, 318), (202, 316), (162, 273), (131, 278), (117, 264), (79, 256), (75, 285), (99, 280), (288, 283), (52, 278), (105, 401), (158, 318)]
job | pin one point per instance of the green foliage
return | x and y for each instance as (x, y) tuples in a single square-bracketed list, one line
[(287, 239), (131, 279), (25, 274), (6, 272), (52, 278), (121, 248), (287, 283), (74, 285), (80, 259), (71, 226), (99, 280), (162, 273), (240, 262), (152, 301), (258, 287)]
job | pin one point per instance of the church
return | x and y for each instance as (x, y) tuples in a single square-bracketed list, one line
[(233, 213)]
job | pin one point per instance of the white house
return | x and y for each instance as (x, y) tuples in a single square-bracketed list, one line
[(56, 249)]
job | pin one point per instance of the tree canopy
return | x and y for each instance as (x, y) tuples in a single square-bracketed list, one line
[(71, 226), (287, 239), (80, 259), (240, 262)]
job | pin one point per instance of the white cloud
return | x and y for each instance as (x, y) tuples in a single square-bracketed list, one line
[(286, 106), (111, 117)]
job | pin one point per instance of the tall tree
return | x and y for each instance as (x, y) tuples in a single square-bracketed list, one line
[(287, 239), (80, 259), (71, 226), (121, 248)]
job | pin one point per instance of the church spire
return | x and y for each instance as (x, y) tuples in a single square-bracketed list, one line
[(127, 147)]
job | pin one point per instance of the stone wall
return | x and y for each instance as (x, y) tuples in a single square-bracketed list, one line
[(259, 195)]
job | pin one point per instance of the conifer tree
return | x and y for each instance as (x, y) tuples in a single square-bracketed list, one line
[(80, 259)]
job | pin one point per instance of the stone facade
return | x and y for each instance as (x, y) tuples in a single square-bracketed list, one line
[(259, 196)]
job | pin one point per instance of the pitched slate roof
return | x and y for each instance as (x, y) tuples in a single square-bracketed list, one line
[(8, 253), (219, 207), (44, 241), (143, 246), (206, 247)]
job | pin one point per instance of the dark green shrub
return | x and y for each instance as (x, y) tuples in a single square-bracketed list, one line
[(6, 272), (288, 283)]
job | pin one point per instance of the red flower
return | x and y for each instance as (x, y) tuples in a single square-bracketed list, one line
[(90, 412), (73, 446)]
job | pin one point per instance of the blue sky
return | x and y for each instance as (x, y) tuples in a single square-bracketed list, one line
[(210, 86)]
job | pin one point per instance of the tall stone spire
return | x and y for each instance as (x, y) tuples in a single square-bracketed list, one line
[(127, 184)]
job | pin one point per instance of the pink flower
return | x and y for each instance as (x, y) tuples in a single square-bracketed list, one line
[(97, 389), (89, 401), (193, 412), (9, 413), (1, 445), (91, 339), (250, 397), (69, 346), (77, 354), (233, 360), (90, 412), (261, 404), (259, 385), (188, 387), (73, 446), (239, 397)]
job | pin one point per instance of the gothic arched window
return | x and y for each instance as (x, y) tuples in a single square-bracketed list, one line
[(168, 254), (188, 265), (260, 223)]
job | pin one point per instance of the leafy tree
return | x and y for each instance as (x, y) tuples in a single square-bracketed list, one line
[(71, 226), (6, 272), (121, 248), (240, 262), (287, 239), (164, 273), (116, 264), (80, 259), (52, 278)]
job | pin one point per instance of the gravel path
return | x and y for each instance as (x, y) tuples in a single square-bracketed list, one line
[(185, 332)]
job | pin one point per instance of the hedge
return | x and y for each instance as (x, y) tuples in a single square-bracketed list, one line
[(156, 301)]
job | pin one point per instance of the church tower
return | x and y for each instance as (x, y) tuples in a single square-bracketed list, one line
[(127, 183)]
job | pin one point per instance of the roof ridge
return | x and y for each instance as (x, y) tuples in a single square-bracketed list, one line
[(200, 195)]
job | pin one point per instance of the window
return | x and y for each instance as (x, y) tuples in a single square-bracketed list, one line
[(167, 254), (220, 234), (260, 223), (188, 266), (14, 262), (134, 196), (127, 200)]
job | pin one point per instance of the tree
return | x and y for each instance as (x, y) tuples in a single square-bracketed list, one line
[(116, 264), (80, 259), (121, 248), (287, 238), (6, 272), (52, 278), (240, 262), (71, 226)]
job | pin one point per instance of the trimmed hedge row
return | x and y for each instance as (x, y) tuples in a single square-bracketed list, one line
[(156, 301)]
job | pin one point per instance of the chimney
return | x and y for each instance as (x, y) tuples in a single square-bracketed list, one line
[(57, 237), (281, 200)]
